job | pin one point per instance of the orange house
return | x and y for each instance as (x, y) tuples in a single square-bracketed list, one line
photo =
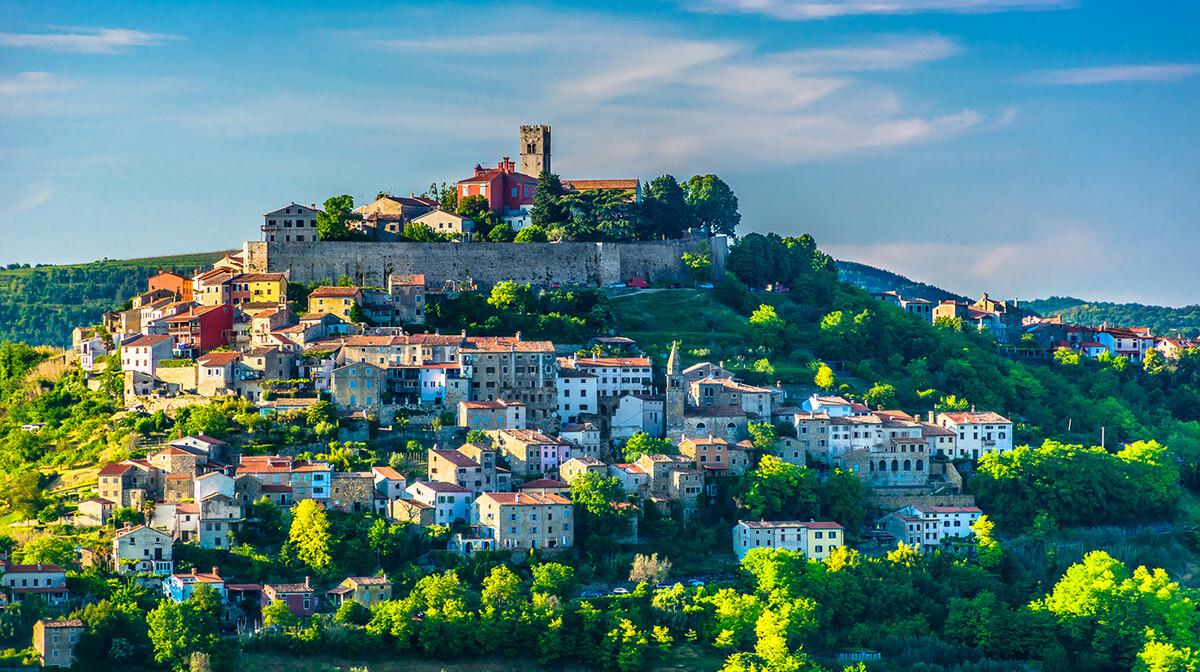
[(172, 282)]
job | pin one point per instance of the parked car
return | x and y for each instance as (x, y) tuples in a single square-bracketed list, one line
[(705, 285), (592, 593), (620, 591), (555, 285), (695, 583), (616, 285), (675, 285), (640, 283)]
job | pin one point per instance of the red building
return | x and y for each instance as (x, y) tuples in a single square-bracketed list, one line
[(507, 191), (201, 329), (298, 596)]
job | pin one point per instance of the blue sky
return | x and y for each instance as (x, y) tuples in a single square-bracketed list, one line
[(1020, 147)]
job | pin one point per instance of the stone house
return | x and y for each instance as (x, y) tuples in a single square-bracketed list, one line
[(659, 467), (353, 491), (220, 514), (525, 521), (128, 483), (413, 511), (406, 294), (578, 466), (389, 482), (728, 422), (545, 486), (142, 550), (337, 301), (634, 414), (686, 486), (491, 415), (366, 590), (359, 386), (299, 597), (516, 370), (585, 437), (93, 512), (448, 224), (531, 452), (55, 641), (633, 478)]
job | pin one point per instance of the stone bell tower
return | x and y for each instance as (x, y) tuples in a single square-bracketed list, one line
[(676, 395), (535, 150)]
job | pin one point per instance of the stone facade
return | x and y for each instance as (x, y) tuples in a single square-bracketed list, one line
[(352, 491), (370, 263)]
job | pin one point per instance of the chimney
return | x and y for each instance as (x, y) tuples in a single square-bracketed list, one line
[(518, 498), (215, 572), (193, 571), (972, 408), (931, 417), (127, 525), (411, 195), (518, 335), (314, 206), (307, 582)]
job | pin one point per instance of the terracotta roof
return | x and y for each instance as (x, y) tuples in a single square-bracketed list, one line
[(775, 524), (530, 436), (334, 292), (585, 427), (98, 500), (69, 623), (218, 358), (612, 362), (130, 530), (542, 483), (201, 577), (456, 458), (288, 588), (388, 473), (369, 580), (586, 461), (524, 498), (116, 469), (438, 486), (584, 185), (146, 341), (260, 277), (26, 569), (973, 418), (709, 441), (506, 343)]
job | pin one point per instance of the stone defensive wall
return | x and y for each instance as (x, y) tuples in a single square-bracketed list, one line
[(370, 263)]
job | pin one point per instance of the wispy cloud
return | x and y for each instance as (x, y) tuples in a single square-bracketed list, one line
[(34, 195), (1157, 72), (639, 98), (87, 40), (27, 83), (802, 10)]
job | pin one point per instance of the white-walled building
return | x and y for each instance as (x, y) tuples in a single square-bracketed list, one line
[(978, 433), (814, 539)]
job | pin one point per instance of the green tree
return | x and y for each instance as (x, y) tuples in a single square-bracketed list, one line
[(764, 436), (548, 210), (422, 233), (321, 411), (713, 204), (279, 614), (779, 490), (333, 223), (880, 395), (643, 444), (842, 499), (699, 263), (531, 234), (990, 553), (767, 327), (502, 232), (665, 211), (553, 579), (824, 378), (47, 550), (309, 535), (594, 496), (178, 630)]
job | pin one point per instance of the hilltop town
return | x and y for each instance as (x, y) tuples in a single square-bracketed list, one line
[(275, 454)]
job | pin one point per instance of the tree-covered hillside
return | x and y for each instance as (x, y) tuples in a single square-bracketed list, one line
[(878, 280), (1162, 320), (41, 305)]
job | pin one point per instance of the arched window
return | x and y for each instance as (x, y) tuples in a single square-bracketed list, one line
[(895, 465), (920, 465), (731, 427), (699, 425), (872, 464), (908, 465), (883, 465)]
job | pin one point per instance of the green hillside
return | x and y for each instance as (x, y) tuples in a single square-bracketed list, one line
[(1162, 320), (41, 305), (878, 280)]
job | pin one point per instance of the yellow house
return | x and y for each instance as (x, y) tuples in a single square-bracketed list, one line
[(334, 300), (366, 590), (260, 288)]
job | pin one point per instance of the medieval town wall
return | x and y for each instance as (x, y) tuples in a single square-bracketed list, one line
[(369, 263)]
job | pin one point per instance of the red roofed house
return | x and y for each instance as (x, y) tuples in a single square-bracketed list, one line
[(926, 526), (485, 415), (531, 452), (145, 352), (978, 433), (545, 486), (335, 300), (44, 580), (508, 193), (366, 590), (139, 549), (1127, 342), (525, 521), (128, 483), (201, 329), (298, 596), (451, 502)]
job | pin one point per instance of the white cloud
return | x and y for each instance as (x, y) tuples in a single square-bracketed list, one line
[(27, 83), (1159, 72), (801, 10), (87, 40), (34, 195), (638, 98)]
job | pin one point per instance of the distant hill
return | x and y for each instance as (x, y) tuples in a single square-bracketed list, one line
[(41, 305), (1161, 320), (878, 280)]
